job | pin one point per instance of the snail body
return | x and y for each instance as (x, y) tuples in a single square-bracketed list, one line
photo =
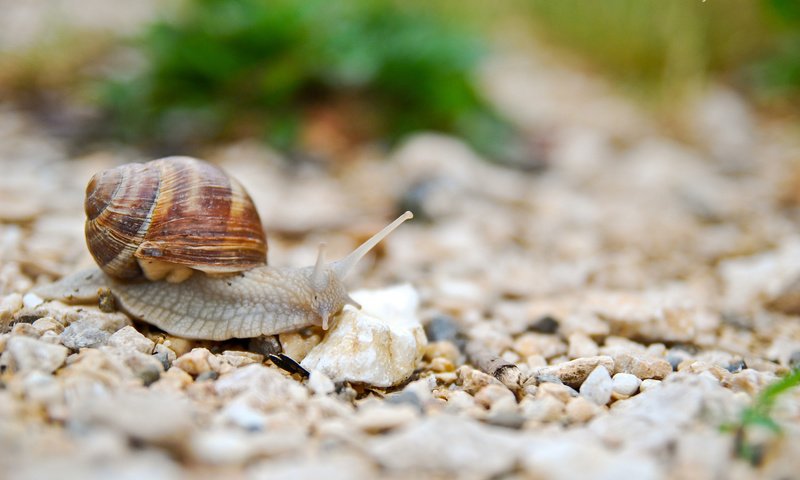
[(237, 300)]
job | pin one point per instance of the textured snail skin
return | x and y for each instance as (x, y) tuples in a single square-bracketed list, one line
[(261, 301)]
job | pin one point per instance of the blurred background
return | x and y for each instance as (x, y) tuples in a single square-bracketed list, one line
[(318, 80)]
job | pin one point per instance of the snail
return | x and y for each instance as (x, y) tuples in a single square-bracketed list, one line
[(179, 244)]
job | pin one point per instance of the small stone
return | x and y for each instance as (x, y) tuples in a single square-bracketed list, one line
[(298, 344), (545, 409), (165, 355), (30, 300), (320, 384), (546, 324), (378, 345), (581, 409), (472, 380), (548, 346), (244, 416), (491, 394), (238, 359), (626, 384), (91, 330), (149, 416), (129, 338), (598, 386), (648, 384), (574, 372), (47, 324), (556, 390), (9, 305), (172, 380), (195, 362), (408, 397), (443, 328), (440, 364), (581, 345), (25, 354), (382, 417), (736, 366), (207, 376), (642, 367), (459, 400), (445, 445), (441, 350)]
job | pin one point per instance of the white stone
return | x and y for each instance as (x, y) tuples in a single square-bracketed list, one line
[(9, 305), (26, 354), (598, 386), (31, 300), (320, 384), (378, 345), (626, 384), (448, 446), (129, 338)]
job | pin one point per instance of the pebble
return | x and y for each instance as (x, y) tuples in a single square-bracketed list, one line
[(648, 384), (581, 345), (531, 343), (472, 380), (598, 386), (379, 345), (574, 372), (383, 417), (150, 416), (626, 384), (297, 345), (642, 367), (47, 324), (544, 409), (91, 330), (129, 338), (195, 362), (31, 300), (445, 445), (320, 384), (443, 328), (492, 394), (25, 354), (581, 409), (9, 305)]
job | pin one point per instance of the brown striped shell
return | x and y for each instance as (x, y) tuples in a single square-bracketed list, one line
[(167, 216)]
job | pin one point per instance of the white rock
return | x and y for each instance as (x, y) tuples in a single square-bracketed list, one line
[(377, 345), (649, 383), (9, 305), (26, 354), (320, 384), (598, 386), (31, 300), (129, 338), (626, 384), (448, 446)]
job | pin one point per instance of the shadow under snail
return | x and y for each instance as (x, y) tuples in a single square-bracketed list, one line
[(150, 226)]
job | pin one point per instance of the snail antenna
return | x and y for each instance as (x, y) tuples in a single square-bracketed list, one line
[(318, 279), (342, 267)]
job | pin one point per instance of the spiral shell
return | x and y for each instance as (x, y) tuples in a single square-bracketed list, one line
[(168, 215)]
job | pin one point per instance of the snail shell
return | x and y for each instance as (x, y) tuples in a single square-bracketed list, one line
[(168, 217)]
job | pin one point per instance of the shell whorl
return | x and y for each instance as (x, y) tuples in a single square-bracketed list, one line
[(177, 210)]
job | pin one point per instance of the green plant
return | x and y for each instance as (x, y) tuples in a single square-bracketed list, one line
[(654, 48), (374, 69), (759, 415)]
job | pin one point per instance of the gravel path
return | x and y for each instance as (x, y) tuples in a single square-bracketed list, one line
[(642, 290)]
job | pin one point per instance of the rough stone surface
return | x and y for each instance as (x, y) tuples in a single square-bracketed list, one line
[(378, 345), (598, 386), (25, 354), (642, 367)]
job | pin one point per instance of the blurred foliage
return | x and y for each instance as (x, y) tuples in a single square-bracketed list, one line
[(759, 416), (778, 75), (659, 49), (305, 70)]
